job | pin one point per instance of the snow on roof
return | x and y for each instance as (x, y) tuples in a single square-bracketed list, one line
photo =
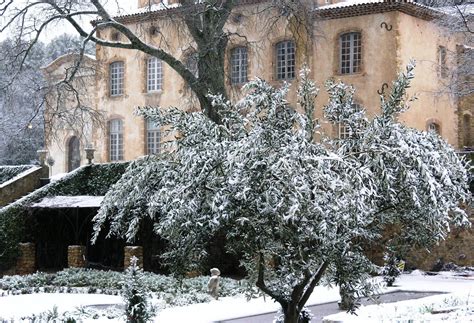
[(63, 202), (348, 3), (62, 57)]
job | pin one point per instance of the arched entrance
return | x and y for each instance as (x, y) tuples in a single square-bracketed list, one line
[(73, 154)]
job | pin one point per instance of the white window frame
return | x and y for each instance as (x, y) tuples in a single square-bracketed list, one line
[(115, 140), (238, 65), (153, 138), (154, 80), (116, 76), (285, 54), (350, 53)]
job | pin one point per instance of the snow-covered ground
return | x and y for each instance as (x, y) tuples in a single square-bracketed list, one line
[(15, 307)]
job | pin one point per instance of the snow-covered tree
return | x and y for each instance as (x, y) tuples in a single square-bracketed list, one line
[(136, 295), (22, 97), (299, 212)]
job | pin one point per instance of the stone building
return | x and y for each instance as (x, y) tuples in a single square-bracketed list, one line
[(363, 43)]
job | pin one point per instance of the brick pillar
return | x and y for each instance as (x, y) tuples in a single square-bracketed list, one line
[(129, 252), (76, 256), (26, 262)]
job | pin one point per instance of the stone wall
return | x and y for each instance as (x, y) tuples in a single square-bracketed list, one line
[(76, 256), (26, 262), (458, 248), (129, 252), (27, 182)]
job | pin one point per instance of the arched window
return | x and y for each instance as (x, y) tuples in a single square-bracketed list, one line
[(238, 65), (73, 153), (285, 60), (116, 74), (115, 140), (466, 128), (154, 79), (152, 138), (350, 53)]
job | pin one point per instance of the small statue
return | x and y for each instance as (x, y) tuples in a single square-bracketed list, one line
[(213, 284)]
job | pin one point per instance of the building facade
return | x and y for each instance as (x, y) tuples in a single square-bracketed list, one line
[(363, 43)]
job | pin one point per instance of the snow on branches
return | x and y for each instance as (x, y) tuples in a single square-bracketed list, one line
[(296, 209)]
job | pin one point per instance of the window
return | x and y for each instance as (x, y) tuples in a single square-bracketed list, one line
[(116, 78), (343, 130), (191, 64), (238, 65), (116, 140), (442, 54), (466, 130), (154, 74), (350, 57), (285, 60), (152, 138)]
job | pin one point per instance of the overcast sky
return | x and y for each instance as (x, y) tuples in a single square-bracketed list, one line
[(58, 29)]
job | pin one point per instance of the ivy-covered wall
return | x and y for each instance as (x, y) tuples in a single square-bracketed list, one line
[(15, 225), (8, 172)]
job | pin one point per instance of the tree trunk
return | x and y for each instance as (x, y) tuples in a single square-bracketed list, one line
[(291, 314)]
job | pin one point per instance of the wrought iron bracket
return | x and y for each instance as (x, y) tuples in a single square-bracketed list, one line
[(384, 86), (387, 26)]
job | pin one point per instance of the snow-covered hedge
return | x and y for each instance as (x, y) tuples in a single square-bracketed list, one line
[(171, 291), (8, 172), (92, 180)]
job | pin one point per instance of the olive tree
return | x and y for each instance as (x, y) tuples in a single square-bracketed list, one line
[(300, 212)]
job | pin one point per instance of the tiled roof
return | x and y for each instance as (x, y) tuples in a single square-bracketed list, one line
[(353, 8), (345, 9)]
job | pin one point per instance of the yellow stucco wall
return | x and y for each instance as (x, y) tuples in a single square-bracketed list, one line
[(419, 39), (384, 52)]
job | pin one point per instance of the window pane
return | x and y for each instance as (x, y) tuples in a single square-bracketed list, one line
[(116, 140), (154, 74), (350, 57), (116, 78), (152, 138), (285, 60), (238, 63)]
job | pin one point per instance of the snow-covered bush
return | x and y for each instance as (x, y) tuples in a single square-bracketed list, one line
[(392, 268), (136, 295), (297, 210)]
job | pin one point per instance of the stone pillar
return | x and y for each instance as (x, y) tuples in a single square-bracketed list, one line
[(26, 262), (129, 252), (76, 256)]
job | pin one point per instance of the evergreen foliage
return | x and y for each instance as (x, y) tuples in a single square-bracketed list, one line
[(136, 295), (8, 172), (297, 210)]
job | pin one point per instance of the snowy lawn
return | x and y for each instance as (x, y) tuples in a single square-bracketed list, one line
[(16, 307)]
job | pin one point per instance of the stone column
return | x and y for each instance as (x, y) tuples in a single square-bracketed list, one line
[(26, 262), (129, 252), (76, 256)]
